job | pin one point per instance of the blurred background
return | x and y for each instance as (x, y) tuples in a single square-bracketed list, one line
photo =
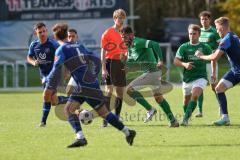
[(164, 21)]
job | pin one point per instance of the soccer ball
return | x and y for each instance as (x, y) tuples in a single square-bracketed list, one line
[(85, 117)]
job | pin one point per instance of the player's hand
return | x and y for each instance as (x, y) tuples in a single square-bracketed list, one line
[(123, 57), (198, 53), (125, 69), (213, 78), (104, 74), (160, 65), (189, 65), (36, 63)]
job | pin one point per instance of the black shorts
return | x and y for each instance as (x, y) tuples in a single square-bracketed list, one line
[(117, 74), (93, 96)]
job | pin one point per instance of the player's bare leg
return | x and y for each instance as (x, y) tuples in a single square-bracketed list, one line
[(109, 91)]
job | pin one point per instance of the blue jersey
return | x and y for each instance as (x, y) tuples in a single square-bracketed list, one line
[(83, 65), (45, 54), (230, 45)]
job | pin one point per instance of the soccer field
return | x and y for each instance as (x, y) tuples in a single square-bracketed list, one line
[(21, 139)]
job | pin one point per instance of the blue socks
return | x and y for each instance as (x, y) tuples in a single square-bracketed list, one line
[(62, 99), (114, 121), (222, 100), (46, 110), (74, 122)]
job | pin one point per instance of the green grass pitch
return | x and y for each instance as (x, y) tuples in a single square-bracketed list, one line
[(20, 138)]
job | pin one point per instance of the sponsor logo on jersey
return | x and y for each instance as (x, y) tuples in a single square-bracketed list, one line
[(42, 56)]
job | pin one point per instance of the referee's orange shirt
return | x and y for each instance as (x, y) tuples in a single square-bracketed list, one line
[(112, 43)]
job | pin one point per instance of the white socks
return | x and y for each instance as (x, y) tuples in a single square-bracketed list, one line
[(125, 130), (80, 135)]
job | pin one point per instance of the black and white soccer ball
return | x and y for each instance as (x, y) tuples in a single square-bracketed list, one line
[(85, 117)]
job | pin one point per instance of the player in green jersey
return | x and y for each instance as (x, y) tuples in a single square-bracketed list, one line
[(148, 55), (194, 73), (209, 36)]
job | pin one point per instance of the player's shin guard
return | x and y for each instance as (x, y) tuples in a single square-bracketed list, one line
[(166, 109), (114, 121), (140, 99), (118, 106), (222, 100), (74, 122), (46, 110), (200, 102), (190, 108)]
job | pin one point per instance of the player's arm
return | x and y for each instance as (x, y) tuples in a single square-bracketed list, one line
[(186, 65), (54, 76), (156, 50), (214, 72), (212, 57), (178, 60), (223, 46), (32, 61), (103, 62), (30, 56)]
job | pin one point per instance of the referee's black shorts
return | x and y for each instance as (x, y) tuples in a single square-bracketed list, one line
[(117, 74)]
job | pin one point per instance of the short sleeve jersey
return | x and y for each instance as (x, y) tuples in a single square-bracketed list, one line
[(230, 45), (112, 43), (45, 54), (186, 52)]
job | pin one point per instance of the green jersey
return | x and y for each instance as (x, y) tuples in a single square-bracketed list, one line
[(186, 52), (210, 36), (144, 52)]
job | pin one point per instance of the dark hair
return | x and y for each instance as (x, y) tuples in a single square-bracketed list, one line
[(126, 30), (60, 31), (72, 30), (205, 14), (39, 25)]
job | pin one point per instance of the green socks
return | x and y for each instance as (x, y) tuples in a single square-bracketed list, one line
[(184, 108), (166, 109), (200, 102), (140, 99), (190, 108)]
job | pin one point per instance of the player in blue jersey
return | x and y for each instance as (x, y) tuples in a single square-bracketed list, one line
[(230, 46), (41, 54), (73, 38), (84, 67)]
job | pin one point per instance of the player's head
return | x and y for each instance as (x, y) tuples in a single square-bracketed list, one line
[(40, 30), (222, 26), (127, 35), (119, 16), (60, 31), (194, 33), (72, 35), (205, 18)]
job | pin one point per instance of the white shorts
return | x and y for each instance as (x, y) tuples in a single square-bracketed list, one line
[(209, 73), (72, 82), (148, 79), (187, 87)]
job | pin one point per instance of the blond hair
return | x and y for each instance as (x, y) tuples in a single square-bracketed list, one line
[(119, 13), (194, 27), (223, 21)]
